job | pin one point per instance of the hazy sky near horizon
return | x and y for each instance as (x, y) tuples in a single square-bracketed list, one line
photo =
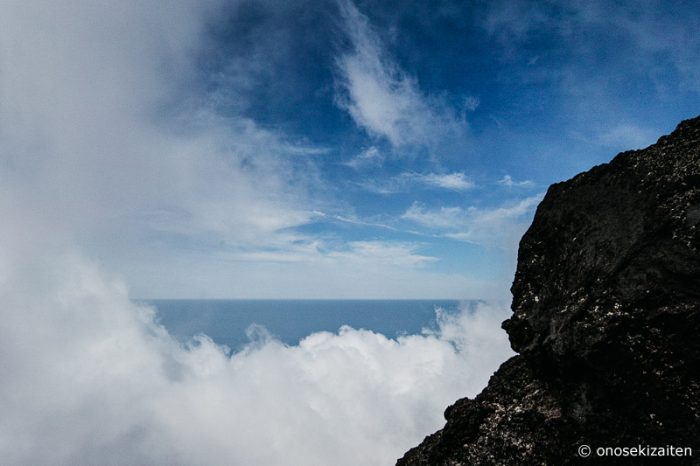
[(308, 149)]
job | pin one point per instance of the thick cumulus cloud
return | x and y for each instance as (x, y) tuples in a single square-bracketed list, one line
[(88, 378)]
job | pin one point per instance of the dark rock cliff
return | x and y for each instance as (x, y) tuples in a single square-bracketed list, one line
[(606, 321)]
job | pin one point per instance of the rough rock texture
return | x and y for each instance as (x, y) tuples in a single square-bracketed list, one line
[(606, 321)]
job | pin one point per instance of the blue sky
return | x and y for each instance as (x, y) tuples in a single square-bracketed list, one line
[(331, 149)]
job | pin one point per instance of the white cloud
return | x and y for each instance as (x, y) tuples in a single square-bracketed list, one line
[(370, 157), (508, 181), (370, 252), (444, 217), (501, 226), (89, 378), (316, 269), (382, 98), (367, 253), (457, 181)]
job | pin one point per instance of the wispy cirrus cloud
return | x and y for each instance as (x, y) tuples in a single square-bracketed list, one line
[(509, 182), (370, 157), (382, 98), (455, 181), (394, 253), (497, 227), (369, 253)]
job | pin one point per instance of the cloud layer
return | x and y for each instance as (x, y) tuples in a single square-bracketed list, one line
[(88, 377)]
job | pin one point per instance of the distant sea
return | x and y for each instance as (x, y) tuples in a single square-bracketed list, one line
[(226, 321)]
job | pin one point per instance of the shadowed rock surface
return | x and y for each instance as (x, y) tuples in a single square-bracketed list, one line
[(606, 321)]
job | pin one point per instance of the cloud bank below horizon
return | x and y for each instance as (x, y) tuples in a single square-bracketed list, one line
[(89, 377)]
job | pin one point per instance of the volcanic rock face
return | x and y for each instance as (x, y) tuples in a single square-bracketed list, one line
[(606, 321)]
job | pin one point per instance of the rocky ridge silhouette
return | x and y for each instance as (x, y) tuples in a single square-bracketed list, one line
[(606, 321)]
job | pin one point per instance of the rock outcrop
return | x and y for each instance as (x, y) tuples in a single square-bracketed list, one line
[(606, 321)]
